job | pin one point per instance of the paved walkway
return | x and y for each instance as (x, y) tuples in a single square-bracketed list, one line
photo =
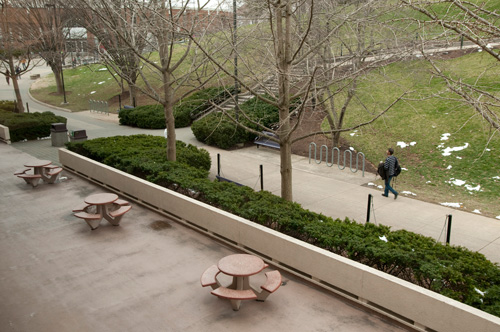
[(319, 188)]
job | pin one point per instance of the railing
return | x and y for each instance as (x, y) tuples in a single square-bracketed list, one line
[(330, 164), (98, 106)]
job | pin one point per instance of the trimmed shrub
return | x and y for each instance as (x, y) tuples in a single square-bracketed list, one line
[(153, 116), (218, 130), (29, 126), (140, 155), (8, 105), (453, 271)]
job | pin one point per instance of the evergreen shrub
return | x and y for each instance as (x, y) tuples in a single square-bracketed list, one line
[(218, 130), (153, 116), (29, 126)]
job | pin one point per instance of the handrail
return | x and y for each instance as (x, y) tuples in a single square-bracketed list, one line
[(330, 164)]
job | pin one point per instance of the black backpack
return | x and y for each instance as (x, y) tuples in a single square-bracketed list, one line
[(397, 168), (381, 170)]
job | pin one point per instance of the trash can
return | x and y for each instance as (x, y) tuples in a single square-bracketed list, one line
[(58, 134), (78, 135)]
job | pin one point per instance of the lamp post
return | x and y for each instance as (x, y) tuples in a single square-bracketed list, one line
[(235, 26), (62, 52)]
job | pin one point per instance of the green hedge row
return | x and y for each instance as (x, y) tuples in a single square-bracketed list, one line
[(142, 155), (218, 130), (453, 271), (29, 126), (153, 116)]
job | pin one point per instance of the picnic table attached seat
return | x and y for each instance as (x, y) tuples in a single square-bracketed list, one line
[(82, 208), (93, 220), (235, 295), (32, 179), (209, 277), (117, 215), (273, 282), (121, 202), (22, 171), (53, 174)]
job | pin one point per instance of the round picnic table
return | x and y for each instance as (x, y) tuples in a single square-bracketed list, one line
[(241, 265), (37, 163), (101, 199)]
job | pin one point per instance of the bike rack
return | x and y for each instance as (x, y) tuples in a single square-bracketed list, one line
[(330, 164)]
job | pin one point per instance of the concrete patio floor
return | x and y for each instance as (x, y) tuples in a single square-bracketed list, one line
[(58, 275)]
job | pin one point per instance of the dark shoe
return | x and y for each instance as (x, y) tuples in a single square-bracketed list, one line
[(396, 196), (385, 195)]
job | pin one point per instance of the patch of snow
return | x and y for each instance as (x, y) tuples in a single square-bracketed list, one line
[(488, 150), (498, 217), (479, 291), (459, 157), (101, 82), (404, 169), (402, 144), (408, 193), (380, 187), (456, 205), (370, 184), (456, 182), (476, 211), (103, 69), (496, 177), (383, 238), (352, 134), (428, 182), (351, 148), (448, 150), (93, 92), (449, 167), (471, 188), (445, 136)]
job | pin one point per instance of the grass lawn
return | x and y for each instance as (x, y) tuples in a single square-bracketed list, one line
[(450, 154)]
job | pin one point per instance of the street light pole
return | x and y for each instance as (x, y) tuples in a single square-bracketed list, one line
[(61, 56), (235, 27)]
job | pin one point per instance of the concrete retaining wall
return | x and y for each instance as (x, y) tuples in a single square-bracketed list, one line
[(412, 305), (5, 134)]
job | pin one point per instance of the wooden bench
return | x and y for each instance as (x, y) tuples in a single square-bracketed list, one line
[(81, 208), (265, 141), (273, 282), (53, 174), (121, 202), (22, 171), (32, 179), (93, 220), (116, 215), (209, 277), (234, 295)]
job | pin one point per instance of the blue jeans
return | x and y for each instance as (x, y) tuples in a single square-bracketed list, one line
[(388, 187)]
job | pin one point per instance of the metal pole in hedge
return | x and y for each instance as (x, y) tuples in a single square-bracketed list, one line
[(261, 178), (448, 231), (218, 164), (368, 209)]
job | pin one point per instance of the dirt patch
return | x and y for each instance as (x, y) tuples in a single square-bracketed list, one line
[(310, 123), (159, 225)]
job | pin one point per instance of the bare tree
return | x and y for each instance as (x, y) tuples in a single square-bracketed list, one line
[(43, 23), (119, 56), (478, 23), (12, 50), (290, 49), (178, 70)]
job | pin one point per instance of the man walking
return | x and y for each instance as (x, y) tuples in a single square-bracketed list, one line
[(390, 170)]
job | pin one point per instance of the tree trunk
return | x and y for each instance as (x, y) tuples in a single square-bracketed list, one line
[(283, 64), (15, 84), (57, 75)]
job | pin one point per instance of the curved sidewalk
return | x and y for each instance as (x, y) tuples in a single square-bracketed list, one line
[(319, 188)]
